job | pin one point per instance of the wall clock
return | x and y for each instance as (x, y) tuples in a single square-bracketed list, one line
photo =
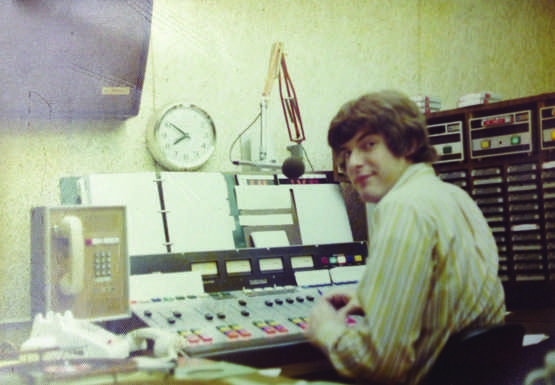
[(183, 137)]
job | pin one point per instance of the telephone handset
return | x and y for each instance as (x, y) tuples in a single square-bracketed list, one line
[(71, 229)]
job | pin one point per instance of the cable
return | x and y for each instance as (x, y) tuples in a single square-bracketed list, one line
[(242, 133)]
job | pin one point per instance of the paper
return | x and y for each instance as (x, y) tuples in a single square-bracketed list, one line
[(346, 274), (532, 339), (263, 198), (269, 239), (211, 370), (322, 214), (159, 285), (312, 278), (197, 211), (139, 193), (266, 220)]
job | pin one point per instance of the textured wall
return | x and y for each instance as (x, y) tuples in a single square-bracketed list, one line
[(215, 53)]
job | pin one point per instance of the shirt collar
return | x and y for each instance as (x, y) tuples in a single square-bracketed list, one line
[(416, 169)]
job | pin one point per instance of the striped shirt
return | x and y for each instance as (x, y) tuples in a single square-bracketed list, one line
[(432, 270)]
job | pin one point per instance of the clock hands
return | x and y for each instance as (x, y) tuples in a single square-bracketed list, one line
[(184, 135)]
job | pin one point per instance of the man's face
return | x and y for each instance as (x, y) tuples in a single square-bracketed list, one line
[(370, 165)]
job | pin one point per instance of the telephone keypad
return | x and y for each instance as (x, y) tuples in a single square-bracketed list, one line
[(103, 265)]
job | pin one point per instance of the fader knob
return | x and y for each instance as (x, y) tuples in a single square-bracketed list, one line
[(290, 300), (208, 317), (245, 313), (147, 313), (268, 303), (242, 302), (177, 314), (220, 315)]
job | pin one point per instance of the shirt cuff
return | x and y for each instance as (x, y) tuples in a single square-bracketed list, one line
[(329, 332)]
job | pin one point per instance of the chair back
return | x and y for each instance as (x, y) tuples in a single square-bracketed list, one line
[(487, 355)]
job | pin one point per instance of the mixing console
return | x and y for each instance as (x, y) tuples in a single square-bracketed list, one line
[(227, 321), (237, 313)]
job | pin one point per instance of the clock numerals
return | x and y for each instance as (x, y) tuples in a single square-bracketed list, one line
[(184, 136)]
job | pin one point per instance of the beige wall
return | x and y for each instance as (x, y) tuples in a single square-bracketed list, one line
[(214, 53)]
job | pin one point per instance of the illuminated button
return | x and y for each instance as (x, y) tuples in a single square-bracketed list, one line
[(204, 338), (341, 259), (358, 258), (515, 139), (193, 339), (278, 327), (244, 333), (232, 334), (324, 260), (553, 133), (333, 260), (485, 144)]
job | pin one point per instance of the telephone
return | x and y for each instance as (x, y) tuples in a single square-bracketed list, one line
[(71, 229), (74, 337), (84, 339), (79, 261)]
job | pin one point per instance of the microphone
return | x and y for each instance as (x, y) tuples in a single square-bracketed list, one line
[(255, 164), (293, 167)]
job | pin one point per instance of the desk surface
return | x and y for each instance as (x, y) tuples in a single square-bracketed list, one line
[(100, 372)]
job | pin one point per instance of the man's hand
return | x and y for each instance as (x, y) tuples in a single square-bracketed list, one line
[(328, 316)]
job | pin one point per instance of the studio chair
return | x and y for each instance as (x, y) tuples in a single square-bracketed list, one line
[(489, 355)]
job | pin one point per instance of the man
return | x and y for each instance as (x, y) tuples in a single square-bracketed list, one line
[(432, 261)]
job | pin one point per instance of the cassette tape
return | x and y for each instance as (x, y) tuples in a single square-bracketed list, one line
[(505, 134)]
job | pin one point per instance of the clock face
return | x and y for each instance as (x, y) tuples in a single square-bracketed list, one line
[(184, 137)]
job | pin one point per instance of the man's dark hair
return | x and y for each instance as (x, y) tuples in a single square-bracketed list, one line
[(389, 113)]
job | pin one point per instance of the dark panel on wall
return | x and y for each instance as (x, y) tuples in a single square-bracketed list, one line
[(73, 58)]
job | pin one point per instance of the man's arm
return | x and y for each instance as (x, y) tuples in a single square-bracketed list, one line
[(392, 293)]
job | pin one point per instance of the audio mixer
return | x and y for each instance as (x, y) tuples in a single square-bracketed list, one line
[(224, 322), (244, 312)]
